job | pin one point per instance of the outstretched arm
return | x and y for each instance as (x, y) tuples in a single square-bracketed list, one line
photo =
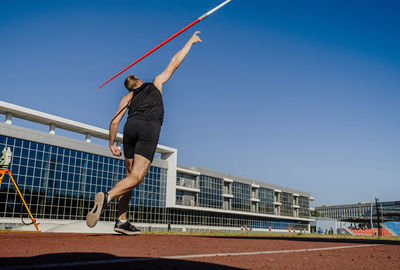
[(175, 62), (115, 122)]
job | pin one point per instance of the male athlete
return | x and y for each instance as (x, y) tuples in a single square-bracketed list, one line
[(142, 129)]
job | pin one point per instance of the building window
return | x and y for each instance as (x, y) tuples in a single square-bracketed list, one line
[(241, 197), (211, 189)]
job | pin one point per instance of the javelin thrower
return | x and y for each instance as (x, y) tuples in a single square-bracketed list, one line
[(141, 132)]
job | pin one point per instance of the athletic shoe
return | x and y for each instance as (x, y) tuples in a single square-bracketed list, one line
[(126, 228), (100, 203)]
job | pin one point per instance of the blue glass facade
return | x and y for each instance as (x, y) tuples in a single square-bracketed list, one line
[(266, 197), (241, 196), (287, 204), (59, 183), (202, 218), (304, 204), (211, 192)]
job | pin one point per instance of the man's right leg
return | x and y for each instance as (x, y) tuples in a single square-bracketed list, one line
[(140, 167), (139, 170)]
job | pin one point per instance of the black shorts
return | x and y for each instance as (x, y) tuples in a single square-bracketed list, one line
[(141, 138)]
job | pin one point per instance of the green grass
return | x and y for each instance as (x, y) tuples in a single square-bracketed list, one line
[(278, 235)]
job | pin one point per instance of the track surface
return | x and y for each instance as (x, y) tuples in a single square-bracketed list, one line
[(98, 251)]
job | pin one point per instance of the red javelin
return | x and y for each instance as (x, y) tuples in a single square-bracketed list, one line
[(205, 15)]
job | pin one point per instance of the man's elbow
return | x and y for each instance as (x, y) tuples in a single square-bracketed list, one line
[(114, 123)]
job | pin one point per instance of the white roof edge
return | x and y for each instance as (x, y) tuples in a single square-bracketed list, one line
[(187, 171), (312, 198), (277, 190), (163, 149), (49, 119), (255, 185), (296, 194), (228, 180), (64, 123)]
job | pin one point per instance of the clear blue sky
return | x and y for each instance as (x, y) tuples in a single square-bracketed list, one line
[(303, 94)]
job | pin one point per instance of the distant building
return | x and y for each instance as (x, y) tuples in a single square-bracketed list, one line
[(360, 211)]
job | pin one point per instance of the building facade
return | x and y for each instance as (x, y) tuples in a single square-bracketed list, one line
[(361, 211), (59, 177)]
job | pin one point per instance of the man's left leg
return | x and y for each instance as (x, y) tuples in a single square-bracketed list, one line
[(135, 173), (123, 205), (124, 199)]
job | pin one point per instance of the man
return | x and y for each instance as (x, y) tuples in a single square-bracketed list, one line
[(141, 132)]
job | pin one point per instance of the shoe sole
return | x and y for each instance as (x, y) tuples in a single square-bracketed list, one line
[(94, 214), (126, 232)]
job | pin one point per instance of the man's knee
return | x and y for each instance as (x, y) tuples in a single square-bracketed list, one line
[(134, 179)]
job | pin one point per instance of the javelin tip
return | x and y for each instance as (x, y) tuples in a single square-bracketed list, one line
[(205, 15)]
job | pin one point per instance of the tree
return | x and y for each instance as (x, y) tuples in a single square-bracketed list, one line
[(315, 213)]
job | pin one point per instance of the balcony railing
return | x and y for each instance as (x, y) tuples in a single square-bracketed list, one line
[(191, 203), (227, 190), (183, 182)]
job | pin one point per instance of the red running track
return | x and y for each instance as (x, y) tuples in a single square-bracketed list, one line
[(150, 251)]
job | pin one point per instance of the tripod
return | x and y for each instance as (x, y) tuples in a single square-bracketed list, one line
[(3, 172)]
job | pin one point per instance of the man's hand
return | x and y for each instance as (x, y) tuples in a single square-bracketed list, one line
[(175, 62), (194, 39), (115, 150)]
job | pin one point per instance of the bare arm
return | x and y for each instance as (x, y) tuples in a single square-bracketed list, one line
[(175, 62), (115, 123)]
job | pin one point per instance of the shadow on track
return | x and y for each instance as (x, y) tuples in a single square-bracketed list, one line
[(310, 239), (88, 260)]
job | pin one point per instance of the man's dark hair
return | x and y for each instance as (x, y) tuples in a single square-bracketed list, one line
[(131, 82)]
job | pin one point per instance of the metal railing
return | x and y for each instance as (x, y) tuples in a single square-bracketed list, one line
[(184, 182)]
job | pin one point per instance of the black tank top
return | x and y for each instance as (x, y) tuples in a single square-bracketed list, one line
[(147, 103)]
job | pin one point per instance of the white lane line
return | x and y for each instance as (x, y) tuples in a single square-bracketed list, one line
[(82, 263), (262, 252)]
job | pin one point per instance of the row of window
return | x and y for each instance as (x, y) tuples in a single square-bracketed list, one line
[(53, 186), (60, 183), (210, 192), (212, 188)]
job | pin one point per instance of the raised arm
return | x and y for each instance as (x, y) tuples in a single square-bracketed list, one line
[(175, 62), (123, 105)]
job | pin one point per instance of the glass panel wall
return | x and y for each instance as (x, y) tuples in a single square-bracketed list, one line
[(304, 204), (60, 183), (287, 204), (202, 218), (266, 205), (210, 192), (241, 196)]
